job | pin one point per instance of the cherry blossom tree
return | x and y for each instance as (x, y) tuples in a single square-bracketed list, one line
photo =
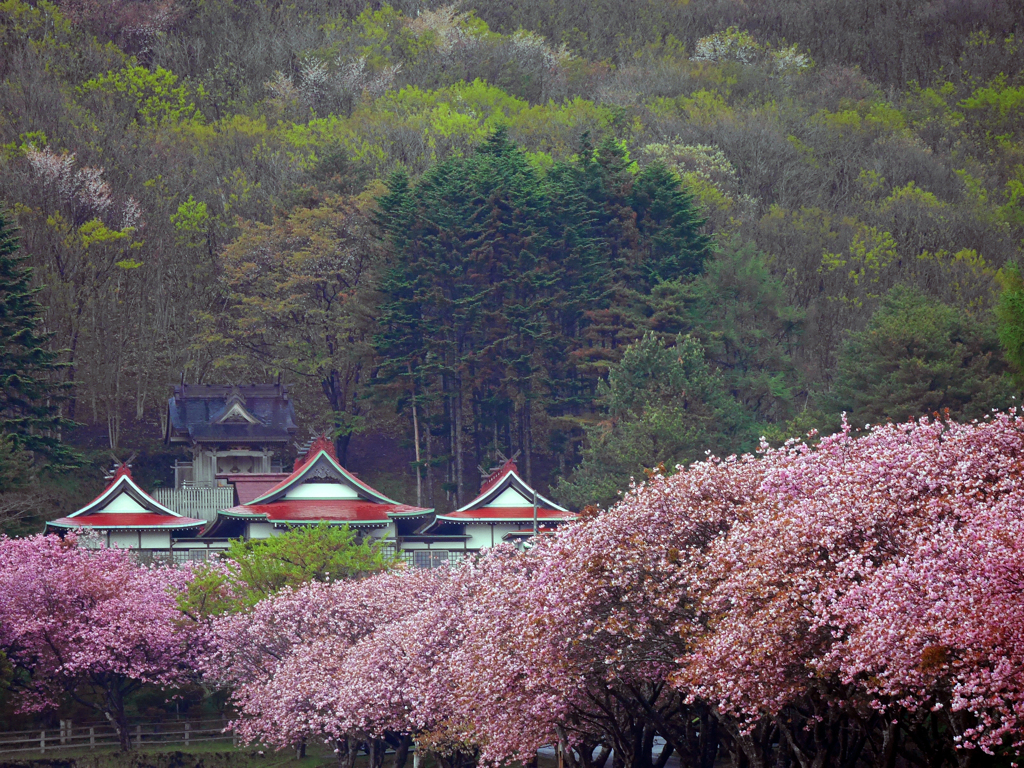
[(573, 643), (90, 624), (844, 609), (283, 660), (849, 601)]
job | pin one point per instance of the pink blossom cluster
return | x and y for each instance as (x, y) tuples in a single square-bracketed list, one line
[(90, 624), (853, 600), (288, 662), (878, 572)]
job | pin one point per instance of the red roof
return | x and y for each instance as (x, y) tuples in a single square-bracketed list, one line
[(277, 492), (328, 510), (127, 520), (495, 477)]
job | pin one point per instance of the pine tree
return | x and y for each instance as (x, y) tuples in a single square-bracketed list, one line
[(469, 318), (669, 225), (30, 395), (663, 405), (1010, 318), (917, 357)]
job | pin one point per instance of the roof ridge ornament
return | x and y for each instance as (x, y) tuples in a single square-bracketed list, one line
[(120, 468), (235, 410), (321, 443), (494, 474)]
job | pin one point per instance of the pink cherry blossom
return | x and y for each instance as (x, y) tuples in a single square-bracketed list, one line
[(90, 624)]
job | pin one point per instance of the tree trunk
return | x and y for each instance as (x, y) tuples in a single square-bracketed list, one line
[(416, 442), (376, 753), (402, 752), (528, 441), (430, 469), (347, 756), (459, 469), (115, 714)]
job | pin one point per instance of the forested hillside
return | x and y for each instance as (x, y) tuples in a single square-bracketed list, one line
[(606, 235)]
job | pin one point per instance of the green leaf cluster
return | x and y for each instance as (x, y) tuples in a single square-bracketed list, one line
[(258, 568)]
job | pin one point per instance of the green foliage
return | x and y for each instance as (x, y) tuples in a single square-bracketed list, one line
[(668, 220), (918, 357), (260, 567), (1010, 319), (664, 406), (895, 157), (741, 314), (144, 96), (191, 222), (510, 293), (299, 295), (31, 392), (16, 470), (998, 111)]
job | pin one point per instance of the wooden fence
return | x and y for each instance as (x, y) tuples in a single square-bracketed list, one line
[(93, 736), (201, 502)]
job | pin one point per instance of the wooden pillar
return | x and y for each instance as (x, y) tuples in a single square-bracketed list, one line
[(187, 734), (92, 737)]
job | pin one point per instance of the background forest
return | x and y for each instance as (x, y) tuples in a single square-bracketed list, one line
[(605, 235)]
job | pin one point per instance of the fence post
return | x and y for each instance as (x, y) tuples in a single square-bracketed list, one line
[(62, 732), (186, 732), (138, 736), (71, 735), (92, 738), (42, 741)]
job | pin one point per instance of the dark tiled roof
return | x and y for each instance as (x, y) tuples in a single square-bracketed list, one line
[(194, 409)]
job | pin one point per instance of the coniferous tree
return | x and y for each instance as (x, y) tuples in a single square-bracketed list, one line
[(917, 357), (468, 299), (664, 405), (740, 313), (511, 293), (669, 225), (1010, 317), (30, 394)]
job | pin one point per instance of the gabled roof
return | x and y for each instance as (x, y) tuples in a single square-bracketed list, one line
[(319, 490), (124, 505), (321, 467), (251, 413), (504, 498)]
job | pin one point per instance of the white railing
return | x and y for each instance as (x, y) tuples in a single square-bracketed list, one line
[(202, 503), (100, 735)]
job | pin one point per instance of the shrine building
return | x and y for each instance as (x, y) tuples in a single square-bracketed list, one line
[(125, 516), (319, 490), (235, 435), (234, 489)]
